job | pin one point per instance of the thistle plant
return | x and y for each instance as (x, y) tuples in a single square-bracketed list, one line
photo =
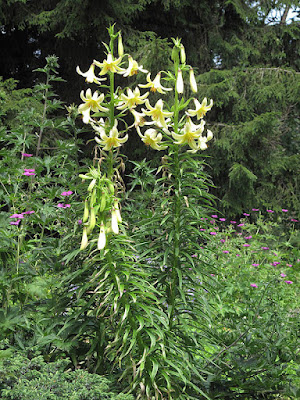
[(164, 367)]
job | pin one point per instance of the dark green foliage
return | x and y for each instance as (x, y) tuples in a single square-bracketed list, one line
[(31, 378)]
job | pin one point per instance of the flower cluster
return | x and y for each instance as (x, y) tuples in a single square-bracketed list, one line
[(101, 209), (19, 217), (165, 123)]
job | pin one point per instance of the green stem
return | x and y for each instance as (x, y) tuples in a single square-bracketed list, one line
[(43, 116)]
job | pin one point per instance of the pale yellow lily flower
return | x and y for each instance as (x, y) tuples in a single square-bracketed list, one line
[(201, 109), (157, 113), (110, 64), (155, 85), (132, 99), (112, 140), (91, 103), (152, 138), (191, 133), (114, 221), (90, 75), (84, 240), (202, 142), (139, 118), (133, 68)]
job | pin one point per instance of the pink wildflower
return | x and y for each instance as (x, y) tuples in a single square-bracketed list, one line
[(288, 282), (248, 237), (255, 209), (28, 173), (15, 222), (238, 255), (214, 216), (26, 155), (20, 216), (225, 251), (222, 219), (212, 233), (270, 211), (255, 265), (233, 222), (253, 285), (294, 220), (246, 245), (265, 248), (289, 265), (68, 193), (284, 210), (202, 230), (246, 215), (222, 240), (79, 222), (283, 275)]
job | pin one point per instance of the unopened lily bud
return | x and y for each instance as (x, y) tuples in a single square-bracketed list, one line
[(179, 82), (102, 237), (182, 54), (92, 221), (103, 201), (114, 222), (120, 46), (92, 184), (209, 135), (193, 82), (84, 240), (93, 197), (116, 207), (85, 212), (111, 187)]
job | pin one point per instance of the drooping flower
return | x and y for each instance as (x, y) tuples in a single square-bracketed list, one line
[(157, 113), (190, 134), (90, 76), (114, 222), (152, 138), (133, 68), (132, 99), (111, 140), (84, 240), (91, 103), (154, 85), (110, 65), (139, 118), (200, 108)]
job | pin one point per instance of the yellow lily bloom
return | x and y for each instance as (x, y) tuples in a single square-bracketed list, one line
[(90, 75), (114, 222), (157, 113), (112, 140), (152, 138), (201, 109), (139, 118), (133, 68), (191, 133), (154, 85), (84, 240), (202, 142), (91, 103), (109, 65), (132, 99)]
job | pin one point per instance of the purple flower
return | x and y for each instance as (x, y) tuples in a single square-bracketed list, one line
[(212, 274), (61, 205), (28, 212), (68, 193), (283, 275), (222, 219), (26, 155), (15, 222), (20, 216), (253, 285), (255, 265), (26, 173), (255, 209), (240, 224), (233, 222), (226, 252), (248, 237), (212, 233), (275, 263), (289, 265), (194, 255), (270, 211), (288, 282), (202, 230), (246, 215), (246, 245), (79, 221), (294, 220), (238, 255), (265, 248), (284, 210), (222, 240), (29, 169), (214, 216)]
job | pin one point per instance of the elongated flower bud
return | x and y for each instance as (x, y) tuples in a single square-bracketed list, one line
[(179, 82), (102, 237), (92, 184), (111, 187), (182, 54), (93, 198), (85, 212), (120, 46), (114, 222), (116, 207), (84, 240), (103, 201), (193, 82), (92, 221)]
